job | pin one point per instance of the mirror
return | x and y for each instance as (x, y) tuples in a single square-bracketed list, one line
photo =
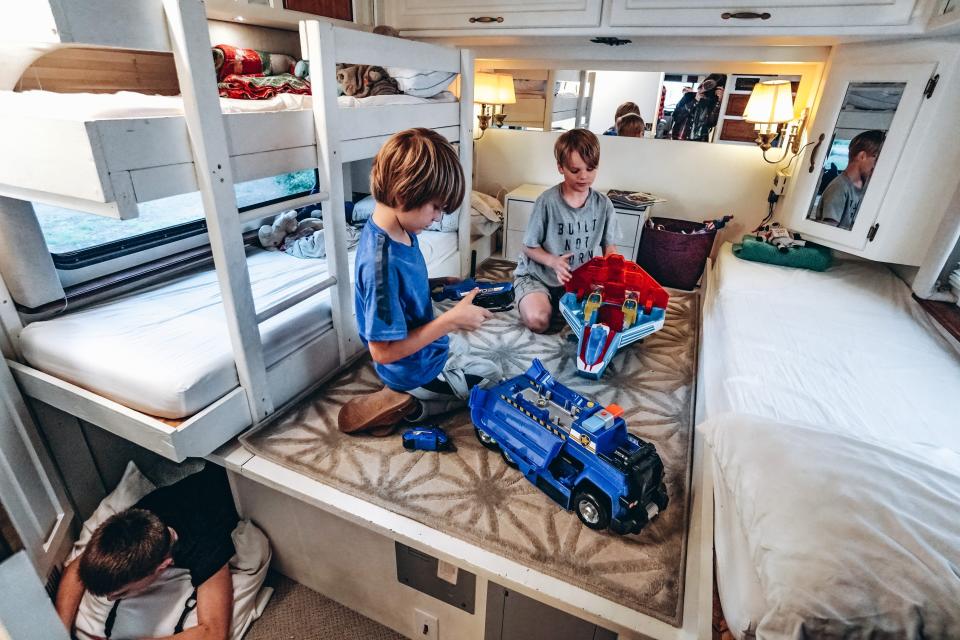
[(698, 107), (865, 115)]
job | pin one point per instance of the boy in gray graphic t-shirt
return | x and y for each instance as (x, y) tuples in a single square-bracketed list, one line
[(571, 223)]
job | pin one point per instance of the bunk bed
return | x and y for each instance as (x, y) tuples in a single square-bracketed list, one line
[(829, 399), (118, 150)]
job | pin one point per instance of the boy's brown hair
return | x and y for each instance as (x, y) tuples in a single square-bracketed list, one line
[(868, 142), (624, 109), (583, 141), (630, 125), (127, 547), (416, 167)]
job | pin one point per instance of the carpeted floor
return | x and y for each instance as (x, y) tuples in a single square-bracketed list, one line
[(297, 613), (472, 494)]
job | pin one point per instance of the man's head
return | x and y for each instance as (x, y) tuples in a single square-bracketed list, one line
[(630, 125), (625, 108), (578, 154), (418, 174), (126, 554), (863, 153)]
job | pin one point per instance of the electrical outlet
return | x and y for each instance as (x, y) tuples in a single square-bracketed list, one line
[(425, 626)]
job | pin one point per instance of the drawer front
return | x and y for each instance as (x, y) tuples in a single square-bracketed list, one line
[(627, 252), (627, 225), (496, 16), (775, 13), (513, 246), (518, 214)]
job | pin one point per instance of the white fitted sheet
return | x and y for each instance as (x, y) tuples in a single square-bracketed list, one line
[(847, 349), (129, 104), (165, 351)]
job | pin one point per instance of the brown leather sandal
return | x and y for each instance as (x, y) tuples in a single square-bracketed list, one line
[(385, 408)]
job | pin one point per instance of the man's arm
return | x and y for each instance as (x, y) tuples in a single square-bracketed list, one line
[(214, 609), (69, 594)]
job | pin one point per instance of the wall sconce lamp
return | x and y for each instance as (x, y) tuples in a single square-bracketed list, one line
[(770, 109), (491, 91)]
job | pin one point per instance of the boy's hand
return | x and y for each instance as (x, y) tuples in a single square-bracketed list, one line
[(465, 316), (561, 265)]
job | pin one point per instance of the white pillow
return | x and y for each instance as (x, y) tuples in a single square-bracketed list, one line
[(156, 612), (423, 84)]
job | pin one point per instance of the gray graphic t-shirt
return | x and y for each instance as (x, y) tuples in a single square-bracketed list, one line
[(840, 202), (559, 228)]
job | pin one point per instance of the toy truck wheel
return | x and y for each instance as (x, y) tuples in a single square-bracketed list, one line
[(486, 439), (508, 458), (591, 511)]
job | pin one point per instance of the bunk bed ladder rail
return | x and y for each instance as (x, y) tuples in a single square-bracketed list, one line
[(190, 42), (319, 41)]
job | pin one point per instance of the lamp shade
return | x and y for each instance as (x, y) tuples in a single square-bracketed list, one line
[(486, 88), (770, 102), (505, 92)]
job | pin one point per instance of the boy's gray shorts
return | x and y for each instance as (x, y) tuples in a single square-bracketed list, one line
[(522, 285)]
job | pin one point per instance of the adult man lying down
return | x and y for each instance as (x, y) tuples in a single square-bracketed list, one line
[(186, 526)]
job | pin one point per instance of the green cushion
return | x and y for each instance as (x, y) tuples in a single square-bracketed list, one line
[(812, 256)]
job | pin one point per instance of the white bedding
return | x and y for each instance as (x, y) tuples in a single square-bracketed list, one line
[(848, 350), (166, 352), (129, 104)]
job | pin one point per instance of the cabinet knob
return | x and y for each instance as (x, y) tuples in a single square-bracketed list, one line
[(745, 15), (486, 19)]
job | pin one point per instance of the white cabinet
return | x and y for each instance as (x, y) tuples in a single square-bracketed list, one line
[(847, 204), (519, 207), (470, 14), (773, 13)]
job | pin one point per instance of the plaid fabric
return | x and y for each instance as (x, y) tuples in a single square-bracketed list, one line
[(229, 60), (261, 87)]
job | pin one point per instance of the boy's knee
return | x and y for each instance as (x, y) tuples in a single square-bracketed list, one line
[(537, 320)]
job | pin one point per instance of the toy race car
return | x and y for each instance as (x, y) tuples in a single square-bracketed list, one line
[(426, 439), (610, 302), (496, 296), (574, 450)]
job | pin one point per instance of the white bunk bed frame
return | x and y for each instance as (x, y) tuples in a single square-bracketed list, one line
[(106, 166)]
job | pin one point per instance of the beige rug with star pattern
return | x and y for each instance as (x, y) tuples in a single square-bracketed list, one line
[(472, 494)]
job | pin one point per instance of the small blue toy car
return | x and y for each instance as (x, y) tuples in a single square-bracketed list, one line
[(496, 296), (426, 438)]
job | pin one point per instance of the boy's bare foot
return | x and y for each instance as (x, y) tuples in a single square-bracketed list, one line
[(385, 408)]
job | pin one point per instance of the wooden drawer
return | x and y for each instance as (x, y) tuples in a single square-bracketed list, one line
[(782, 13), (486, 16), (518, 214), (627, 252), (627, 225), (513, 245)]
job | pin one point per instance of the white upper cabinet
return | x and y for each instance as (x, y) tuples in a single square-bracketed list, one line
[(470, 14), (845, 188), (773, 13)]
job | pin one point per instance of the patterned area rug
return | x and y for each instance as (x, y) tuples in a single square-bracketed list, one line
[(472, 494)]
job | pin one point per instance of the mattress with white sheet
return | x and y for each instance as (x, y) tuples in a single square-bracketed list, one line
[(165, 351), (130, 104), (847, 350)]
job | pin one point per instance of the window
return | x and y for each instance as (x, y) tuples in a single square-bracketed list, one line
[(76, 238)]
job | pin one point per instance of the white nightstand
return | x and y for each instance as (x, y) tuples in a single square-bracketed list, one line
[(519, 206)]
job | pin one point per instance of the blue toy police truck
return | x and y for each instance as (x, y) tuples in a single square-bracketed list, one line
[(574, 450)]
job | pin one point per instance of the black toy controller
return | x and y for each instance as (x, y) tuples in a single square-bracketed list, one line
[(496, 296)]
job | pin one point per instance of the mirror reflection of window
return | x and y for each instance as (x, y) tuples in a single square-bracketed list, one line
[(865, 116)]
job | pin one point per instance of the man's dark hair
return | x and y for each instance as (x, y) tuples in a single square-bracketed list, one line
[(868, 141), (127, 547)]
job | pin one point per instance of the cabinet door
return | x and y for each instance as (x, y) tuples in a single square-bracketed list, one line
[(778, 13), (867, 107), (470, 14)]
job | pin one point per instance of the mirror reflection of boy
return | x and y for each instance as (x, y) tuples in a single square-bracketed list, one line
[(840, 201), (425, 367), (630, 125), (622, 110), (570, 224)]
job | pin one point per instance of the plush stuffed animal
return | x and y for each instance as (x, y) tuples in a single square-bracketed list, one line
[(363, 80), (271, 236)]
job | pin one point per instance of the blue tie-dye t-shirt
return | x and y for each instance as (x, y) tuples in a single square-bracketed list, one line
[(392, 299)]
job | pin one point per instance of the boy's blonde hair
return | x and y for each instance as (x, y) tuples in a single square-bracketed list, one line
[(584, 142), (416, 167), (630, 125)]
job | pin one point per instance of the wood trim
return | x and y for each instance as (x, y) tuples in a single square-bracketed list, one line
[(337, 9), (945, 313), (85, 70)]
